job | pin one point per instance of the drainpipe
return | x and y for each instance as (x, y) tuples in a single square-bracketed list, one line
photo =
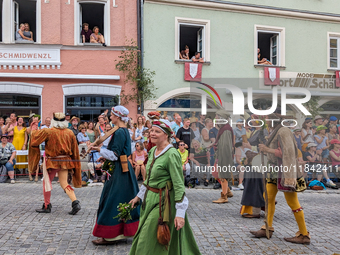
[(142, 45)]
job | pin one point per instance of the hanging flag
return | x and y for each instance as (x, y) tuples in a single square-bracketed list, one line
[(337, 78), (192, 71), (271, 76)]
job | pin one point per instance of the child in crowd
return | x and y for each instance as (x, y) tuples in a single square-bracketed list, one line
[(138, 159)]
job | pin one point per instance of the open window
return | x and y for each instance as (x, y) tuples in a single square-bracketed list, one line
[(334, 54), (268, 43), (193, 37), (96, 13), (92, 14), (25, 11), (195, 34), (269, 46)]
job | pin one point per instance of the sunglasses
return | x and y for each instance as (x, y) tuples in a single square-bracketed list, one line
[(182, 144)]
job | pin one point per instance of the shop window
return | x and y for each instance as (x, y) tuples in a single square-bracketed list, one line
[(25, 12), (22, 105), (88, 108), (269, 46), (195, 34), (334, 55)]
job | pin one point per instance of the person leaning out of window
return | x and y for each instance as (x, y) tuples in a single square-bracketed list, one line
[(27, 32), (197, 58), (184, 54), (97, 37), (20, 36), (86, 33)]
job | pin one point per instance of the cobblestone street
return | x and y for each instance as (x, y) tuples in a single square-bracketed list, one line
[(219, 229)]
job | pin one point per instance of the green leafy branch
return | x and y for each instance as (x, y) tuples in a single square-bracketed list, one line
[(140, 79)]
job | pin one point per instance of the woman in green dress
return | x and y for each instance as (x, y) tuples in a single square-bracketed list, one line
[(164, 174)]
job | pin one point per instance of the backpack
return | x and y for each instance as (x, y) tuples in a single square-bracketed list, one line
[(3, 174)]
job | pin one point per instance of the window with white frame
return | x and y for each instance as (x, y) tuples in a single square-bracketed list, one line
[(269, 48), (95, 14), (193, 34), (24, 12), (334, 55)]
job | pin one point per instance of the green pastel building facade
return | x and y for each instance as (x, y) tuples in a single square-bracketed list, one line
[(299, 38)]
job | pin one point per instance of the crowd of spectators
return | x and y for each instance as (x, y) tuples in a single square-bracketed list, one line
[(317, 142)]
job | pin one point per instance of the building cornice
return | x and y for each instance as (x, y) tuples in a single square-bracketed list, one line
[(252, 9), (60, 76)]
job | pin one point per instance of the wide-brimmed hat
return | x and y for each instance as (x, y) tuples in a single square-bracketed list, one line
[(321, 127), (223, 113), (311, 145), (317, 117), (73, 118), (333, 141), (193, 120)]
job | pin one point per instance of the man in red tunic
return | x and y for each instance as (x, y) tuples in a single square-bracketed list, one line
[(61, 156)]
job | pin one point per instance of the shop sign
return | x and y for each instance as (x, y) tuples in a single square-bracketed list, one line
[(29, 56), (310, 81)]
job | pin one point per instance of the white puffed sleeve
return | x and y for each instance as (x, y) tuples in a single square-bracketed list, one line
[(108, 154), (182, 207), (141, 192)]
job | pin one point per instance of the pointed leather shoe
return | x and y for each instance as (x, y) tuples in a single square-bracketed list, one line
[(222, 199), (261, 233), (299, 239), (75, 207), (45, 210)]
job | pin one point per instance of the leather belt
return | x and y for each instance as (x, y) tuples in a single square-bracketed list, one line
[(154, 189)]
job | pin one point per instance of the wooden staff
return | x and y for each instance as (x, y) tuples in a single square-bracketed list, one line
[(265, 188), (100, 139), (265, 198)]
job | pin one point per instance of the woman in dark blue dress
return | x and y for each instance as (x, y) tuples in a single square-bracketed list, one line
[(120, 188)]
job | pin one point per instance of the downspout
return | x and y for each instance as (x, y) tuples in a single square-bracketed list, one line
[(142, 45)]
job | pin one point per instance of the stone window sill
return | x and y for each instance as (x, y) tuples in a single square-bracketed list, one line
[(177, 61)]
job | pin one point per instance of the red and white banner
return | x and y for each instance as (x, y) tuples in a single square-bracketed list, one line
[(337, 78), (271, 76), (192, 71)]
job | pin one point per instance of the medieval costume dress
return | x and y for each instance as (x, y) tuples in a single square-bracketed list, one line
[(164, 185), (224, 156), (61, 156), (252, 196), (120, 188), (289, 181)]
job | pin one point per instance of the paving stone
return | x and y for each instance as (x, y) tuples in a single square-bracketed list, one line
[(218, 228)]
